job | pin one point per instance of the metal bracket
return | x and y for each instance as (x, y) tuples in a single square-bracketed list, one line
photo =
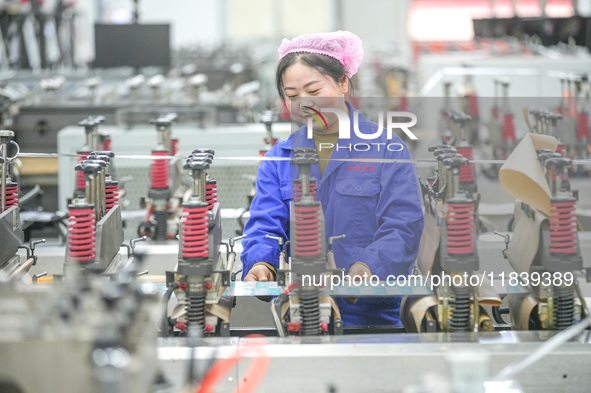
[(507, 238), (331, 240), (132, 243), (30, 249), (35, 277), (232, 241)]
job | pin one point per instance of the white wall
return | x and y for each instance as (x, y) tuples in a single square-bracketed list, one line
[(193, 21), (275, 19), (216, 21)]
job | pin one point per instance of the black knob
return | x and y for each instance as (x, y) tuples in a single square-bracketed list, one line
[(447, 150), (194, 156), (545, 156), (197, 165), (100, 163), (437, 147), (205, 150), (541, 151), (86, 123), (445, 156), (99, 157), (164, 121), (305, 156), (107, 153), (455, 162), (269, 117), (171, 116), (554, 117), (90, 167), (205, 157), (460, 118), (557, 163)]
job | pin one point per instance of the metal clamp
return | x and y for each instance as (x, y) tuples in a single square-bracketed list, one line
[(232, 241), (507, 240), (132, 242), (331, 240), (280, 240), (30, 249), (36, 277)]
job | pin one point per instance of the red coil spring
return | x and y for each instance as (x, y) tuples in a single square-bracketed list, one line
[(195, 231), (297, 189), (175, 146), (563, 228), (107, 144), (583, 126), (112, 194), (159, 171), (82, 233), (308, 231), (472, 105), (460, 228), (80, 183), (508, 128), (11, 194), (561, 149), (494, 112), (211, 193), (403, 106), (466, 171)]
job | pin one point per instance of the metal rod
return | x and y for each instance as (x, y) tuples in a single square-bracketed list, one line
[(101, 191), (21, 268), (231, 259), (456, 181), (511, 370), (87, 188), (305, 176)]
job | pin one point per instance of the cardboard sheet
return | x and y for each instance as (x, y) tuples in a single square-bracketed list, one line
[(525, 240), (429, 244), (487, 294), (522, 176), (520, 309), (414, 309)]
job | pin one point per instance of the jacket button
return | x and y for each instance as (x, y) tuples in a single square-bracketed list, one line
[(358, 188)]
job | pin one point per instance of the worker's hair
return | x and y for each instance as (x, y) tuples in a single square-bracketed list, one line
[(326, 65)]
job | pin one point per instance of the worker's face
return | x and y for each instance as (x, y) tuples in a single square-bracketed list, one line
[(306, 87)]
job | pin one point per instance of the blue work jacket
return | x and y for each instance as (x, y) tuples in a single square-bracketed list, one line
[(376, 205)]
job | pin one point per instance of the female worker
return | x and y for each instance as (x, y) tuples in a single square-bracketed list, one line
[(376, 205)]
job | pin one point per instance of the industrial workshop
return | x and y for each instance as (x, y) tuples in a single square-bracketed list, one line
[(331, 196)]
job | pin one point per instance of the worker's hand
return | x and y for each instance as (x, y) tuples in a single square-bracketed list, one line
[(361, 270), (259, 273)]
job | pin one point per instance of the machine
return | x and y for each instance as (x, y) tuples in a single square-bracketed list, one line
[(102, 314)]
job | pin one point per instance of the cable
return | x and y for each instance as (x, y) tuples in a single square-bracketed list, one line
[(550, 345), (253, 376)]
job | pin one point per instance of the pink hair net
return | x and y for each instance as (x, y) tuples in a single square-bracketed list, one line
[(341, 45)]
